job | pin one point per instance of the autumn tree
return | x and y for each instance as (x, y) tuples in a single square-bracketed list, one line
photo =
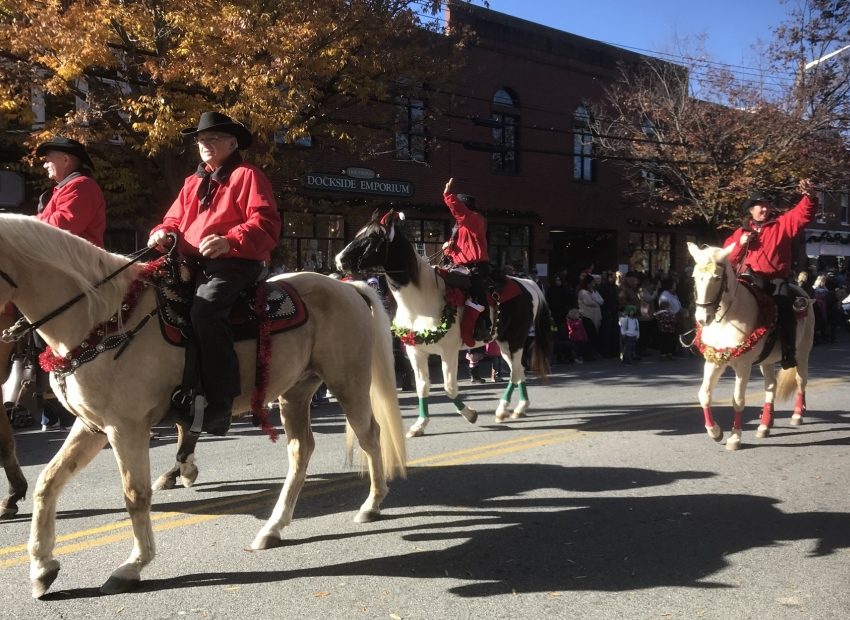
[(144, 69), (695, 139)]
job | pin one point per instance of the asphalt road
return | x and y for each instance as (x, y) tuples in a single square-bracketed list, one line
[(608, 501)]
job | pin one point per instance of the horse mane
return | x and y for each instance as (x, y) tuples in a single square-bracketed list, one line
[(82, 262), (410, 259)]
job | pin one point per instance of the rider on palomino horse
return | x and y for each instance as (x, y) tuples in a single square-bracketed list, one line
[(764, 253), (226, 219), (467, 247)]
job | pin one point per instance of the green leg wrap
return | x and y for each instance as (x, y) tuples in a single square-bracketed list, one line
[(509, 392), (458, 403), (423, 407), (523, 391)]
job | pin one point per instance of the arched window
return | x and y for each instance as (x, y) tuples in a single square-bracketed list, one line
[(505, 114), (582, 145)]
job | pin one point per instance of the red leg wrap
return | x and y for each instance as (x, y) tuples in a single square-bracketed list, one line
[(709, 419), (736, 422), (800, 405), (767, 415)]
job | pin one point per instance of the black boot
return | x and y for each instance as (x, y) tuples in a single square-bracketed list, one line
[(475, 375), (217, 416), (787, 326), (481, 333)]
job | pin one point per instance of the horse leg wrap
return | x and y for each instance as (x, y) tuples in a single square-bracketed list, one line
[(423, 407), (736, 421), (458, 403), (800, 404), (523, 391), (767, 415), (709, 419), (509, 392)]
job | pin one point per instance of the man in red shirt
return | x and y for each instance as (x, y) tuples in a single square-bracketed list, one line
[(76, 204), (764, 250), (467, 247), (226, 218)]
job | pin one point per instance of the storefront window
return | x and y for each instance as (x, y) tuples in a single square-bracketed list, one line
[(311, 241), (509, 245), (650, 253), (427, 237)]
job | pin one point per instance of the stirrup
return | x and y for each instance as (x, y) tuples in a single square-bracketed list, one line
[(800, 304)]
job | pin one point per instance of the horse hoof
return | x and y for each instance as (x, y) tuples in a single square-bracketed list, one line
[(714, 432), (119, 585), (734, 442), (367, 516), (797, 419), (516, 415), (763, 431), (266, 541), (469, 414), (41, 585), (418, 428), (164, 483), (9, 511)]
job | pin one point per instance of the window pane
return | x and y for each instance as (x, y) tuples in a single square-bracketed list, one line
[(412, 229), (329, 226), (433, 231), (664, 242), (298, 224), (649, 241)]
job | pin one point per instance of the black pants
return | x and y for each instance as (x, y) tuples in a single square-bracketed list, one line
[(217, 288), (479, 280)]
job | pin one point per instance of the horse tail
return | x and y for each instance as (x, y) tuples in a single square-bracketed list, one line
[(382, 392), (541, 347), (786, 384)]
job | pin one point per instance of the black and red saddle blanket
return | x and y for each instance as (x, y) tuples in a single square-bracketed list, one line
[(274, 301)]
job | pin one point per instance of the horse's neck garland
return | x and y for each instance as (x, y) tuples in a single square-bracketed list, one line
[(766, 321), (454, 298), (99, 339)]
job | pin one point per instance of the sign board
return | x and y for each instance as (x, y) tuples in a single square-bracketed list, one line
[(343, 183)]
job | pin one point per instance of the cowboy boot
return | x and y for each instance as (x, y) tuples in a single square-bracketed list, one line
[(787, 326)]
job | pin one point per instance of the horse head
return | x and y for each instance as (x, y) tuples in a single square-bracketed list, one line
[(381, 246), (710, 279)]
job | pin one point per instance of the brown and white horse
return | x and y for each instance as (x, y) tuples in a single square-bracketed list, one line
[(733, 329), (8, 457), (346, 343), (432, 325)]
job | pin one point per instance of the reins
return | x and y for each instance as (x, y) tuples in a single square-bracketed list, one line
[(23, 327)]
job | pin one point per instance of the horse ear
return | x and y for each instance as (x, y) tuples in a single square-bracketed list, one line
[(723, 254), (693, 249), (376, 215), (387, 219)]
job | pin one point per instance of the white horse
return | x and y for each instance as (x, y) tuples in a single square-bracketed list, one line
[(346, 343), (427, 323), (736, 328)]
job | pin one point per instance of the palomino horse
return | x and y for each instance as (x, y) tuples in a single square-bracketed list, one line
[(117, 398), (429, 323), (17, 482), (735, 328)]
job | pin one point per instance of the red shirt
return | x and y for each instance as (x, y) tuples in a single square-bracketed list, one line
[(241, 209), (768, 252), (77, 205), (470, 245)]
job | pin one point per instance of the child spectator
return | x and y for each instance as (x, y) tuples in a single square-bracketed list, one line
[(629, 332), (576, 335), (666, 324)]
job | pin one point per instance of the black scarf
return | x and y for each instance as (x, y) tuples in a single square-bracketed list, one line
[(210, 180)]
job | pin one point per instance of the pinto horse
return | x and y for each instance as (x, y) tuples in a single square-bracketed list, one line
[(8, 457), (117, 398), (736, 328), (429, 323)]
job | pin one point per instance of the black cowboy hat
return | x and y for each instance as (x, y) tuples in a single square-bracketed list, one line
[(65, 145), (755, 197), (216, 121)]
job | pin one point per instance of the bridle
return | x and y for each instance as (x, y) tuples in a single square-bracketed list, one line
[(23, 327), (714, 304)]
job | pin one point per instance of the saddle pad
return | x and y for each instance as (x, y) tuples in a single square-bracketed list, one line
[(284, 310)]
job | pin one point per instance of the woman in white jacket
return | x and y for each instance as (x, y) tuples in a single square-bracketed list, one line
[(590, 308)]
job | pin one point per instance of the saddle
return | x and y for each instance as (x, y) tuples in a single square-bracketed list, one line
[(275, 300), (499, 291)]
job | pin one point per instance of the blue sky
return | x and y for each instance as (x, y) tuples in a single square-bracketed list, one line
[(731, 27)]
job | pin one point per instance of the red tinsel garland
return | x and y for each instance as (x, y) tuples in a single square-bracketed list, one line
[(51, 362), (766, 321), (259, 408)]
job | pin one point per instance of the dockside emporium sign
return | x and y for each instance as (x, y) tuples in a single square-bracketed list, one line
[(354, 185)]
